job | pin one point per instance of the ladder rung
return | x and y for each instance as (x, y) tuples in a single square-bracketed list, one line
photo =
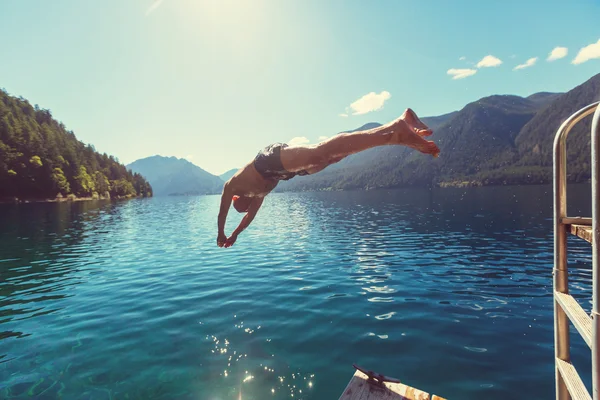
[(577, 315), (583, 231), (572, 380)]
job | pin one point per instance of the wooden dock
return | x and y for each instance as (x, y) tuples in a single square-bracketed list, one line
[(583, 231), (361, 387)]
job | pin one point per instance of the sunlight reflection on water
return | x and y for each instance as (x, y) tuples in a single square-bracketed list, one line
[(134, 300)]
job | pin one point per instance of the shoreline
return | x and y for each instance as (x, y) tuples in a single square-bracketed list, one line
[(439, 185), (64, 199)]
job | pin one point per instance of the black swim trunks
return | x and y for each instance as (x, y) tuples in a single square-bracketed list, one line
[(268, 163)]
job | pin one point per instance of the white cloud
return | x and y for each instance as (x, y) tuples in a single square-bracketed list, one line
[(489, 61), (321, 138), (298, 140), (369, 102), (461, 73), (529, 63), (463, 58), (587, 53), (153, 6), (557, 53), (343, 115)]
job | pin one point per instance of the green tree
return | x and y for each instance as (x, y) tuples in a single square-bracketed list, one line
[(35, 161), (122, 188), (61, 185), (84, 183), (101, 182)]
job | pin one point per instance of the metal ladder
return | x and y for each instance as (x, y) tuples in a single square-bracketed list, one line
[(568, 383)]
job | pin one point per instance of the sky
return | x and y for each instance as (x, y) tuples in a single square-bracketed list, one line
[(214, 81)]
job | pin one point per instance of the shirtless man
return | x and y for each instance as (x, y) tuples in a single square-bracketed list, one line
[(249, 186)]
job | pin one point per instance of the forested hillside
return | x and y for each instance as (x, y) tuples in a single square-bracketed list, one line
[(41, 159)]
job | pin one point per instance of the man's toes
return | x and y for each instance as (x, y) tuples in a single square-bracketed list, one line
[(434, 150)]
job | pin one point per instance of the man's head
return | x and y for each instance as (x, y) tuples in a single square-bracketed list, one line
[(241, 204)]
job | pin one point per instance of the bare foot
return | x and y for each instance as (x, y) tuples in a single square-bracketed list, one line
[(406, 135), (415, 123), (424, 146), (429, 148)]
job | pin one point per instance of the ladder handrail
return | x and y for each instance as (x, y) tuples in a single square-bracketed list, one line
[(560, 273), (560, 155), (596, 255)]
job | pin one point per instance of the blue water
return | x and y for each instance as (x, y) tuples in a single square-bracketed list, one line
[(449, 290)]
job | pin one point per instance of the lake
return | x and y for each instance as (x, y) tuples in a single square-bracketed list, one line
[(449, 290)]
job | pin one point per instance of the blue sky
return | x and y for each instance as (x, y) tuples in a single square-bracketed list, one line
[(216, 80)]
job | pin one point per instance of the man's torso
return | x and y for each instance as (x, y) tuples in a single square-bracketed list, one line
[(249, 182)]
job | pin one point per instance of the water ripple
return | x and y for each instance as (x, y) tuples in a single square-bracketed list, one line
[(134, 300)]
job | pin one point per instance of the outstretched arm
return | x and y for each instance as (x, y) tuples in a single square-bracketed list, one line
[(226, 199), (252, 210)]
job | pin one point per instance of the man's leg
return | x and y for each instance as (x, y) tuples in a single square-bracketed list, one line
[(407, 130), (321, 167)]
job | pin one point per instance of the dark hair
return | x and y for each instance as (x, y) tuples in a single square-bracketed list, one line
[(241, 203)]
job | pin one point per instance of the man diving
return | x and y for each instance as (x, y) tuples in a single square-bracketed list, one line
[(249, 186)]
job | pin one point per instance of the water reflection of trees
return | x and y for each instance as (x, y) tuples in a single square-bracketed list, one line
[(34, 268)]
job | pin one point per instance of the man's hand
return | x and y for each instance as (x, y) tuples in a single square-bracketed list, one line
[(250, 214), (231, 240), (221, 239)]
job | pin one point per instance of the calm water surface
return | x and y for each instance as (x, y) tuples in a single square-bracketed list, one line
[(449, 290)]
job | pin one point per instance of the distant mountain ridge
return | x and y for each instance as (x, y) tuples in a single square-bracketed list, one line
[(171, 176), (543, 98), (500, 139), (535, 140), (225, 176), (368, 125)]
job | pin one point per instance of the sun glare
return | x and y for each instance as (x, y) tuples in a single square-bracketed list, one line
[(236, 16)]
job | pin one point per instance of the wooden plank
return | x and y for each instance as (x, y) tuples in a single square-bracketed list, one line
[(359, 389), (583, 231)]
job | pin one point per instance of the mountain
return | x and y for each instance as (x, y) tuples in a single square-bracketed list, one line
[(227, 175), (368, 125), (537, 137), (481, 136), (436, 122), (176, 176), (432, 122), (41, 159), (494, 140), (542, 99)]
